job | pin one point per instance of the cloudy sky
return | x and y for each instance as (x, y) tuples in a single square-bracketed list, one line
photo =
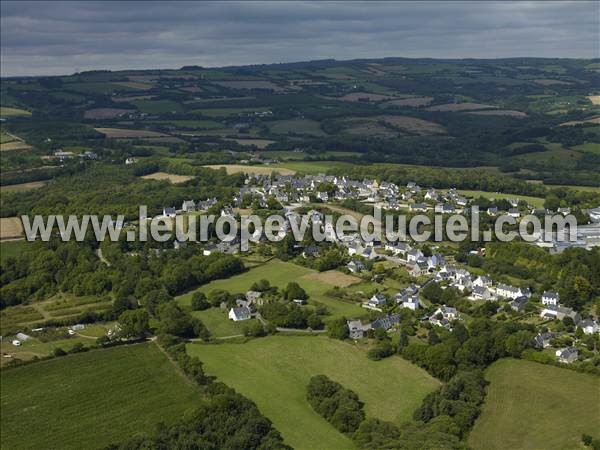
[(45, 38)]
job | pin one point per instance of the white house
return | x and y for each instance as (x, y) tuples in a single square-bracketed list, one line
[(482, 293), (376, 302), (411, 302), (550, 298), (567, 355), (357, 329), (413, 255), (589, 326), (511, 292), (239, 314), (483, 281)]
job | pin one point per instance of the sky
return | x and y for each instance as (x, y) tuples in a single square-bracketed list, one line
[(52, 38)]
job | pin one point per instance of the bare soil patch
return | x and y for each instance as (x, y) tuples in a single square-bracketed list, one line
[(260, 143), (10, 228), (132, 98), (595, 99), (134, 85), (595, 120), (332, 277), (23, 186), (175, 179)]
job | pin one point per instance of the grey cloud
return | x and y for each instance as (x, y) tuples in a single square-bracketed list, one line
[(61, 37)]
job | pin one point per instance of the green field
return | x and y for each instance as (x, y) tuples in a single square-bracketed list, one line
[(274, 372), (312, 167), (13, 248), (227, 112), (90, 400), (218, 323), (189, 124), (297, 126), (535, 406), (279, 274), (157, 106), (535, 201), (13, 112)]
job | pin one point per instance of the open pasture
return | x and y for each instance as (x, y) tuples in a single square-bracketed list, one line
[(535, 406), (274, 373)]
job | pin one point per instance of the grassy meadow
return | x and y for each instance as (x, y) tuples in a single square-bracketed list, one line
[(274, 373), (279, 274), (90, 400), (534, 406), (538, 202)]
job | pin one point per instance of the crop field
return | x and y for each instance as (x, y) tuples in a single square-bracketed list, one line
[(457, 107), (10, 142), (90, 400), (228, 112), (279, 274), (414, 125), (595, 120), (60, 306), (162, 176), (556, 405), (259, 143), (414, 101), (189, 124), (105, 113), (297, 126), (13, 112), (157, 106), (10, 228), (121, 133), (22, 186), (535, 201), (259, 170), (249, 84), (274, 373), (218, 323), (595, 99), (362, 96), (499, 112)]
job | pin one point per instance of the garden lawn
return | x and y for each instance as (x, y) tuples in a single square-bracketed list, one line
[(218, 323), (274, 373), (535, 406), (90, 400)]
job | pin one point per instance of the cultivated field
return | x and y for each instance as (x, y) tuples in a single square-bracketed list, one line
[(456, 107), (333, 277), (10, 228), (13, 112), (162, 176), (534, 406), (91, 400), (297, 126), (105, 113), (259, 143), (279, 274), (550, 82), (499, 112), (13, 248), (362, 96), (274, 372), (595, 120), (121, 133), (10, 142), (414, 125), (249, 84), (595, 99), (414, 102), (260, 170)]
